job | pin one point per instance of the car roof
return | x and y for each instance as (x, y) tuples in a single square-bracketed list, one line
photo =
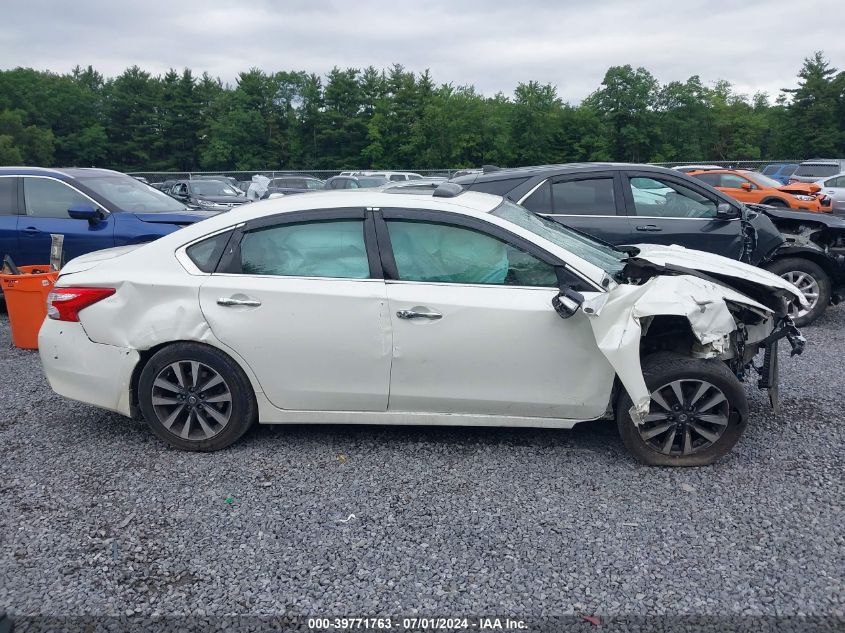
[(466, 203), (552, 170), (58, 172)]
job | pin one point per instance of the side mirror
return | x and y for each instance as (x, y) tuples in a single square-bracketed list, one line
[(747, 186), (726, 211), (567, 302), (85, 212)]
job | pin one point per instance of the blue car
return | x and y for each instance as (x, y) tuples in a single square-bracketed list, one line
[(92, 208), (780, 171)]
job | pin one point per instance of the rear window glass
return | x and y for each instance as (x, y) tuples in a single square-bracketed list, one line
[(817, 169), (207, 253), (8, 196), (497, 187)]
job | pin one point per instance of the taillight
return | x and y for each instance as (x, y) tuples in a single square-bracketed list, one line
[(64, 304)]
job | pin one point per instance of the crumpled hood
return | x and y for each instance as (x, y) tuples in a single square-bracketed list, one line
[(800, 188), (678, 256)]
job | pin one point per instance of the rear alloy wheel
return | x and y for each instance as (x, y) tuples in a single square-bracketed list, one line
[(811, 280), (192, 400), (697, 412), (195, 397)]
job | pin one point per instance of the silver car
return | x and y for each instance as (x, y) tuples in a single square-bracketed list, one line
[(835, 188), (817, 168)]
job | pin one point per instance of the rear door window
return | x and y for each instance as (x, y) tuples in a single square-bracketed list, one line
[(330, 248), (580, 196), (710, 179), (590, 196)]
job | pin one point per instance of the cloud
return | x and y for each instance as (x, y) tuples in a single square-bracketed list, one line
[(756, 45)]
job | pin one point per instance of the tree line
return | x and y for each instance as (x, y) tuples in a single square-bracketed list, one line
[(395, 118)]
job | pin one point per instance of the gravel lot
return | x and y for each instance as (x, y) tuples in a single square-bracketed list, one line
[(99, 517)]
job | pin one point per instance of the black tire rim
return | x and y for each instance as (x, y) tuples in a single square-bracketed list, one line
[(685, 417), (191, 400)]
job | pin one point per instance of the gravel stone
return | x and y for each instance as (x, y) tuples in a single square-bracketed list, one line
[(99, 517)]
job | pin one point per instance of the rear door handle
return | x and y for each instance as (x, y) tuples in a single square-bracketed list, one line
[(649, 227), (418, 312), (31, 230), (229, 301)]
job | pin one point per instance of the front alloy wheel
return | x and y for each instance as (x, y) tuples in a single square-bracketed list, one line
[(686, 417), (697, 412)]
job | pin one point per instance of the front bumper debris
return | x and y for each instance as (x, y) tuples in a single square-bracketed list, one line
[(769, 369)]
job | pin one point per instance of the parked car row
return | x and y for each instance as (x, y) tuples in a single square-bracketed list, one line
[(418, 298), (628, 204)]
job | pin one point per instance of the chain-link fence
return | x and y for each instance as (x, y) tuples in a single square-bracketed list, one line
[(243, 176)]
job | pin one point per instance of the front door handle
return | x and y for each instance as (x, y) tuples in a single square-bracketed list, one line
[(229, 301), (649, 227), (31, 230), (418, 312)]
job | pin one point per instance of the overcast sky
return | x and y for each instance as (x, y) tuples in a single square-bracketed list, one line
[(491, 44)]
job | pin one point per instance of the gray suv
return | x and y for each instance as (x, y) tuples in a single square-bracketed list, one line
[(818, 168)]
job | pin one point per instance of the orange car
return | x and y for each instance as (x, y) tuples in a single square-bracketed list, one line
[(752, 186)]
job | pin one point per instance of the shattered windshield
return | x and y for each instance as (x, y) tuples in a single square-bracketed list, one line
[(609, 259)]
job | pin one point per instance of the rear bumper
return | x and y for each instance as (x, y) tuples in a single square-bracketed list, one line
[(82, 370)]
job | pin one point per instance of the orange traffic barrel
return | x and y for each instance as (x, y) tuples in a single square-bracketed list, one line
[(26, 301)]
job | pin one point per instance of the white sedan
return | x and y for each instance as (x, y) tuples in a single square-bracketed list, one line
[(451, 308)]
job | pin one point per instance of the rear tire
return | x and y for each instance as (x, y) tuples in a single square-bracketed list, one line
[(811, 279), (696, 429), (196, 398)]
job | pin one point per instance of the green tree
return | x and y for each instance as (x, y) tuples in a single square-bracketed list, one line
[(626, 101), (816, 110)]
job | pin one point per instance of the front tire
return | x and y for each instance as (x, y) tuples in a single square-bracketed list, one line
[(813, 282), (196, 398), (698, 412)]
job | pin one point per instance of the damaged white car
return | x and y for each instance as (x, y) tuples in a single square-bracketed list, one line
[(451, 308)]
